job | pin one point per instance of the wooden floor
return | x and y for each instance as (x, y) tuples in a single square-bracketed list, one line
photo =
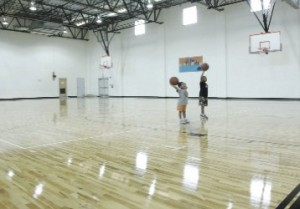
[(132, 153)]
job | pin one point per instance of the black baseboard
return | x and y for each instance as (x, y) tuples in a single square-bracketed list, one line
[(25, 98), (32, 98), (155, 97), (215, 98)]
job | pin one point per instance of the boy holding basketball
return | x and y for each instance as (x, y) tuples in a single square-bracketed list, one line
[(182, 101), (203, 94)]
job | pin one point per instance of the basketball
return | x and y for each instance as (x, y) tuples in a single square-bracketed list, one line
[(174, 81), (204, 66)]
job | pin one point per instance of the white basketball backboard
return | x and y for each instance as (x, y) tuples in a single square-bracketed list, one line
[(263, 42), (105, 61)]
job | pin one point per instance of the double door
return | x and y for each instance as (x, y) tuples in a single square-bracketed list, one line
[(103, 87)]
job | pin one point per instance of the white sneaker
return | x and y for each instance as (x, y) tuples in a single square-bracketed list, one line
[(184, 121), (204, 116)]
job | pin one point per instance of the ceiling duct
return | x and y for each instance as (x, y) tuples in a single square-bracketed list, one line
[(41, 28), (21, 28), (36, 24), (293, 3)]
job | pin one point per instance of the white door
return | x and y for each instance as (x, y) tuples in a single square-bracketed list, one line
[(103, 87), (62, 87), (80, 87)]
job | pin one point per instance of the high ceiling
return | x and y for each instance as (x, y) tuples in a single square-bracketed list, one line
[(74, 18)]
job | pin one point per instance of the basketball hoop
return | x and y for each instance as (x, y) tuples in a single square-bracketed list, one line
[(264, 43), (265, 50), (103, 67), (105, 62)]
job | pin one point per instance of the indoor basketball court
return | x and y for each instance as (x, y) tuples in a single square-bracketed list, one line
[(153, 104)]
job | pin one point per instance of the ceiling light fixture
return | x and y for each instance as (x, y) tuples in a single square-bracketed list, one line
[(80, 23), (149, 5), (98, 19), (65, 30), (32, 6), (122, 10), (4, 21), (112, 14)]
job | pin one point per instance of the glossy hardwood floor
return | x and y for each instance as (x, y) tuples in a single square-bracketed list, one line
[(116, 153)]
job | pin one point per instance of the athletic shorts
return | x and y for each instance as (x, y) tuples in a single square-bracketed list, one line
[(203, 101), (181, 108)]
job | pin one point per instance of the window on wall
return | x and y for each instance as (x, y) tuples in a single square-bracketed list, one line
[(139, 28), (190, 15), (257, 5)]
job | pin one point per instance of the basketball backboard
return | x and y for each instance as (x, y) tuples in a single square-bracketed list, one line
[(265, 43), (105, 62)]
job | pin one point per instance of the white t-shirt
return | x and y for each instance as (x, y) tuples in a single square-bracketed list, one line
[(183, 97)]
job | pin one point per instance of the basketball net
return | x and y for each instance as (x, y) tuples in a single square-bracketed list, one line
[(265, 51), (103, 67)]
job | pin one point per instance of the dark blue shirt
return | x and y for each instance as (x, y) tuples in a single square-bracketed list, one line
[(203, 89)]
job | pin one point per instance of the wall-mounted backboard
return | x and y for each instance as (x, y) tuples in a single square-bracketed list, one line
[(265, 42), (105, 61)]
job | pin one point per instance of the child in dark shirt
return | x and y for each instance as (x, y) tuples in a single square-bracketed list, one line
[(203, 95)]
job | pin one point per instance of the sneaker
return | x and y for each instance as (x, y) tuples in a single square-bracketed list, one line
[(204, 116), (182, 121), (186, 121)]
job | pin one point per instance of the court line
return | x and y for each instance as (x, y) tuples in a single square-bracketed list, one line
[(174, 148), (74, 140), (4, 141)]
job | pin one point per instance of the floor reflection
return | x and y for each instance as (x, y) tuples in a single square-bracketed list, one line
[(63, 107), (141, 163), (260, 191)]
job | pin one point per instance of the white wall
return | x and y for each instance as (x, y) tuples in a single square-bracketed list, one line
[(276, 75), (207, 38), (28, 61), (143, 64), (94, 54)]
